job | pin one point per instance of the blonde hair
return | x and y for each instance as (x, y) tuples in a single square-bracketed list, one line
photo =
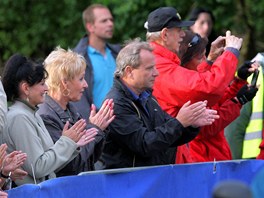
[(61, 65)]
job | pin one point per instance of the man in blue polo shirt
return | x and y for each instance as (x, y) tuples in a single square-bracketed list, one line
[(100, 56)]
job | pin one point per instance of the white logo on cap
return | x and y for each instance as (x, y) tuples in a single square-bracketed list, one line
[(178, 15), (146, 25)]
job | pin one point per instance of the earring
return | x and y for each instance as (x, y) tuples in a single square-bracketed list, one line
[(27, 99), (66, 92)]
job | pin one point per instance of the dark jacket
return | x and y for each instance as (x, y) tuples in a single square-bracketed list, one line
[(138, 138), (83, 106), (55, 118)]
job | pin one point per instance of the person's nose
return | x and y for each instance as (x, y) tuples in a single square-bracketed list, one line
[(111, 22), (206, 27), (46, 88), (85, 84)]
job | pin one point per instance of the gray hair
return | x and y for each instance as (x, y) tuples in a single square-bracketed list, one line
[(130, 56), (153, 36)]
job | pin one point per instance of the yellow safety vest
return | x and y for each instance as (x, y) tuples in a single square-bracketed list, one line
[(253, 135)]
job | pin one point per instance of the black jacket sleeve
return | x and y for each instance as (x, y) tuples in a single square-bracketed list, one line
[(128, 130)]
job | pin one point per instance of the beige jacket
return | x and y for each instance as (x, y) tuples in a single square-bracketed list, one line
[(27, 132)]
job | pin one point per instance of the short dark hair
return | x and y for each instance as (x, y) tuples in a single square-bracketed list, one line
[(17, 69)]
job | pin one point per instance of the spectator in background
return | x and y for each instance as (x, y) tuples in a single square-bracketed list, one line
[(142, 134), (66, 84), (24, 84), (204, 23), (176, 85), (100, 57)]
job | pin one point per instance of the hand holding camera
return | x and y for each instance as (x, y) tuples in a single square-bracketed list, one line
[(233, 41), (246, 94), (247, 69)]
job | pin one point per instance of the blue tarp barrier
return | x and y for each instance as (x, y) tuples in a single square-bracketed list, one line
[(184, 181)]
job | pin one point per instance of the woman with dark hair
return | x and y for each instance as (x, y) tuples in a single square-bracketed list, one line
[(210, 143), (204, 22), (24, 84), (188, 53)]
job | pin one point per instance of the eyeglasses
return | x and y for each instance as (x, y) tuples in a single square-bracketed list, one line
[(195, 40)]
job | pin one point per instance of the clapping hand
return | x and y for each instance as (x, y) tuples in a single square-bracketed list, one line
[(88, 137), (104, 116), (196, 114)]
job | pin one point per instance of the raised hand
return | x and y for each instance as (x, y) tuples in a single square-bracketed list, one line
[(217, 48), (76, 131), (247, 69), (189, 113), (104, 116), (233, 41), (246, 94)]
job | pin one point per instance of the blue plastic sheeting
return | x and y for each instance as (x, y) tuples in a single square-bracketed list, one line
[(257, 184), (192, 180)]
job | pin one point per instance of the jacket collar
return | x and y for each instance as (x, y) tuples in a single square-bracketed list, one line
[(28, 105), (164, 52), (120, 85), (63, 115), (25, 104)]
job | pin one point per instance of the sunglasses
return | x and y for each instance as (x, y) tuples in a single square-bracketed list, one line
[(195, 40)]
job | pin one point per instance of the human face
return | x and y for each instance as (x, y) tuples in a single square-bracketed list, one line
[(174, 37), (203, 25), (76, 87), (36, 93), (195, 61), (144, 76), (103, 25)]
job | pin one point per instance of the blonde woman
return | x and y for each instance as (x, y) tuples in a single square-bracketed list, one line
[(66, 84)]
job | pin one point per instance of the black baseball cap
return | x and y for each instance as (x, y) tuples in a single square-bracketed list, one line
[(165, 17)]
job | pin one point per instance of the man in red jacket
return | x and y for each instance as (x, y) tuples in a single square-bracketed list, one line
[(176, 85)]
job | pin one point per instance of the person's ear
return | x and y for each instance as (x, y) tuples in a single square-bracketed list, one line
[(164, 34), (64, 83), (128, 71), (25, 88), (89, 27)]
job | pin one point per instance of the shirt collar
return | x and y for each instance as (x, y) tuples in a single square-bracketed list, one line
[(92, 50), (143, 96)]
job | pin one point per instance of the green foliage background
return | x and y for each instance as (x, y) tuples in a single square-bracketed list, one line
[(35, 27)]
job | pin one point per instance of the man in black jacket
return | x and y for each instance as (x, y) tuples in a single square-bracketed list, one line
[(100, 57), (142, 134)]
